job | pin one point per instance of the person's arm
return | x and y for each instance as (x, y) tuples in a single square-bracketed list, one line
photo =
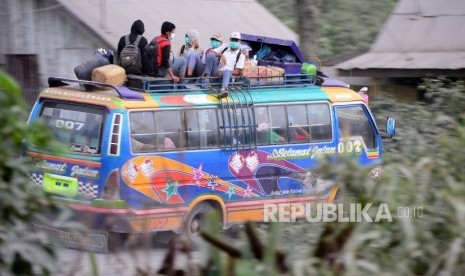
[(165, 62), (239, 68)]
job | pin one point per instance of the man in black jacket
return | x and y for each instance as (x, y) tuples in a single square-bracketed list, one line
[(137, 28)]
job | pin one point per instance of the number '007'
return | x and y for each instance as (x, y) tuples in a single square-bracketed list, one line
[(68, 124)]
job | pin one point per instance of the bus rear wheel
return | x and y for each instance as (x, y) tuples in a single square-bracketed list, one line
[(196, 222)]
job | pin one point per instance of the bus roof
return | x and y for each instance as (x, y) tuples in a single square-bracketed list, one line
[(115, 97)]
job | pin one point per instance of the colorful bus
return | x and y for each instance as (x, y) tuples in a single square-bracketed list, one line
[(160, 158)]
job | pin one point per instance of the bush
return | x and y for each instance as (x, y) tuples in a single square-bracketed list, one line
[(22, 250)]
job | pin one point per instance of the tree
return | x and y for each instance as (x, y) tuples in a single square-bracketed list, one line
[(306, 11)]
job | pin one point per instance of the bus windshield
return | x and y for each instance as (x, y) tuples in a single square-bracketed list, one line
[(79, 127), (354, 122)]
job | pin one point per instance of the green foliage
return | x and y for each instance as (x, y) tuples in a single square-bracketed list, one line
[(344, 27), (21, 249), (422, 185), (423, 171)]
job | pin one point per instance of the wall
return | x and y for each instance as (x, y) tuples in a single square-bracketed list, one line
[(46, 29)]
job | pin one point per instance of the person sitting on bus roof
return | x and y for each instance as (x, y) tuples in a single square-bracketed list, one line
[(137, 29), (191, 52), (216, 40), (174, 68), (231, 60)]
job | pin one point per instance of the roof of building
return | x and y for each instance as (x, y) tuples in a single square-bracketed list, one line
[(419, 34), (113, 19)]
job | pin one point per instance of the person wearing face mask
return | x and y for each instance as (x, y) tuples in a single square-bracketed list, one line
[(231, 60), (175, 68), (191, 53), (215, 41)]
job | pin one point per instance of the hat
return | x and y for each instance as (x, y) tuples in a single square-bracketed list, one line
[(217, 36), (235, 35), (193, 35)]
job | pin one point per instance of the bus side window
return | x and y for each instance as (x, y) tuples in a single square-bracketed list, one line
[(208, 128), (278, 124), (168, 130), (142, 124), (298, 124), (271, 125), (192, 129), (320, 122), (201, 128)]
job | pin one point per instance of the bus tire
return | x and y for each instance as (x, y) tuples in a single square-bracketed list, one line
[(117, 241), (195, 222)]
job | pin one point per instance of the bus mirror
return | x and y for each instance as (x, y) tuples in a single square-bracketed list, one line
[(391, 126)]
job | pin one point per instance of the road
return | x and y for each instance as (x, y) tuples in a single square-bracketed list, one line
[(144, 257), (139, 260)]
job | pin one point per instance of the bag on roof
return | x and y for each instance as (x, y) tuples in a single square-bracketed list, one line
[(264, 52), (130, 58), (149, 59), (84, 70)]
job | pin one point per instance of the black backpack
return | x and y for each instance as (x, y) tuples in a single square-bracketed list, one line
[(130, 58), (149, 59)]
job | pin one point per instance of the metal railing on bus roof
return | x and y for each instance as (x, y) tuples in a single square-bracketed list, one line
[(164, 85), (122, 91)]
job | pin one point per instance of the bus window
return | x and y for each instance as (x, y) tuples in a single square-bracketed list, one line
[(201, 128), (77, 126), (320, 122), (168, 126), (278, 124), (244, 118), (298, 124), (353, 122), (269, 133), (143, 133)]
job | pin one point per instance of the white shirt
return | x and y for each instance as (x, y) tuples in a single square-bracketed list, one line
[(231, 57)]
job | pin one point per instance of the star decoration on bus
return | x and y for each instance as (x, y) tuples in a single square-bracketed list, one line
[(231, 191), (248, 192), (212, 182), (171, 189), (198, 174)]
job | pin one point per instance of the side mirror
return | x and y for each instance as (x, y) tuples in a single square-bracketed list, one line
[(391, 126)]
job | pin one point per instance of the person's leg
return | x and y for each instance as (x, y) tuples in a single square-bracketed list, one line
[(211, 65), (198, 67), (226, 79), (178, 65), (190, 61), (161, 72)]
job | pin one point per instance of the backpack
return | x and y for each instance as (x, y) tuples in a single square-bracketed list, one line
[(149, 59), (264, 52), (130, 57), (237, 58)]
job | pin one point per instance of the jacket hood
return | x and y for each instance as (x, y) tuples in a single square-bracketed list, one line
[(138, 27)]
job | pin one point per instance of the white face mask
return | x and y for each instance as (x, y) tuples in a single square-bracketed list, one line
[(172, 36)]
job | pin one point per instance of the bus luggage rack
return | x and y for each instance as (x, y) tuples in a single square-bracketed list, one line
[(165, 85), (93, 86)]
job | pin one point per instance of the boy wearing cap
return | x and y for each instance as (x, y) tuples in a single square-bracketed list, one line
[(231, 59), (216, 40)]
